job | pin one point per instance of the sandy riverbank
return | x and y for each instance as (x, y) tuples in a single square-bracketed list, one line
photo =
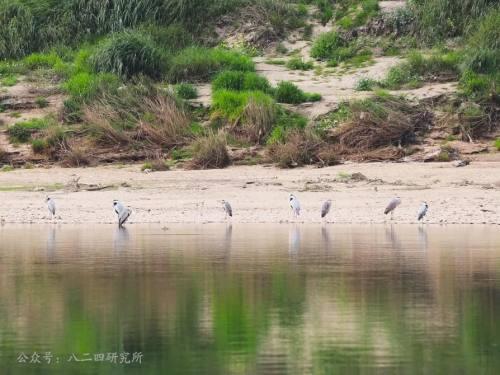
[(258, 194)]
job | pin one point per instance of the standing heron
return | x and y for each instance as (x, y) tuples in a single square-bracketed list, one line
[(118, 206), (51, 205), (122, 212), (325, 208), (396, 201), (294, 205), (227, 208), (422, 211)]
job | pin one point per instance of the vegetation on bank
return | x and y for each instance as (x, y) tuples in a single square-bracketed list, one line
[(130, 71)]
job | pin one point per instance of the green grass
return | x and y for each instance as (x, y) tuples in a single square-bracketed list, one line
[(365, 84), (231, 104), (200, 64), (497, 144), (297, 63), (9, 80), (240, 81), (128, 54), (419, 68), (436, 20), (326, 46), (186, 91), (85, 86), (42, 60), (41, 102), (286, 122), (21, 132), (288, 92), (39, 145)]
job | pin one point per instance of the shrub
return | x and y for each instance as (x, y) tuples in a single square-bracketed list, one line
[(38, 145), (285, 123), (231, 104), (85, 86), (140, 112), (186, 91), (17, 30), (287, 92), (210, 152), (497, 144), (21, 132), (199, 63), (128, 54), (326, 45), (42, 60), (171, 38), (441, 19), (365, 84), (478, 86), (41, 102), (9, 80), (259, 116), (419, 68), (235, 80), (298, 149), (297, 63)]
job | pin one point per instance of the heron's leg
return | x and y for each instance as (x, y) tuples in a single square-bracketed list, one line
[(392, 215)]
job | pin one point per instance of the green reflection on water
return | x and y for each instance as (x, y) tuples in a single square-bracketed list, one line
[(255, 299)]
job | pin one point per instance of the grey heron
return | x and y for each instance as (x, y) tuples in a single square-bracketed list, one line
[(325, 208), (122, 212), (51, 205), (396, 201), (422, 211), (118, 206), (294, 205), (227, 208)]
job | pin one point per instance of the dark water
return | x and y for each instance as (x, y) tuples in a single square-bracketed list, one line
[(250, 299)]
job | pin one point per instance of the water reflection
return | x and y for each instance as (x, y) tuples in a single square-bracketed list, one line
[(219, 299)]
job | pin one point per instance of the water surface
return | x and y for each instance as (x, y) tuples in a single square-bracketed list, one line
[(248, 299)]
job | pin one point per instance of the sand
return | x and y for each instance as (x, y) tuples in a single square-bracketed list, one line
[(258, 194)]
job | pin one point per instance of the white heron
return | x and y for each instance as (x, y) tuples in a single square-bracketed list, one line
[(325, 208), (51, 205), (396, 201), (227, 208), (294, 205), (422, 211)]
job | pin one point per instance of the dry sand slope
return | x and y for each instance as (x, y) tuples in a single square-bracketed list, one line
[(258, 194)]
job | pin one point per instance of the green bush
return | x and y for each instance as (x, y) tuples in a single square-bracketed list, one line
[(41, 102), (171, 38), (326, 46), (286, 122), (200, 63), (17, 30), (287, 92), (297, 63), (8, 80), (365, 84), (483, 45), (231, 104), (42, 60), (128, 54), (21, 132), (186, 91), (38, 145), (440, 19), (84, 86), (497, 144), (239, 81), (418, 68), (478, 86)]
